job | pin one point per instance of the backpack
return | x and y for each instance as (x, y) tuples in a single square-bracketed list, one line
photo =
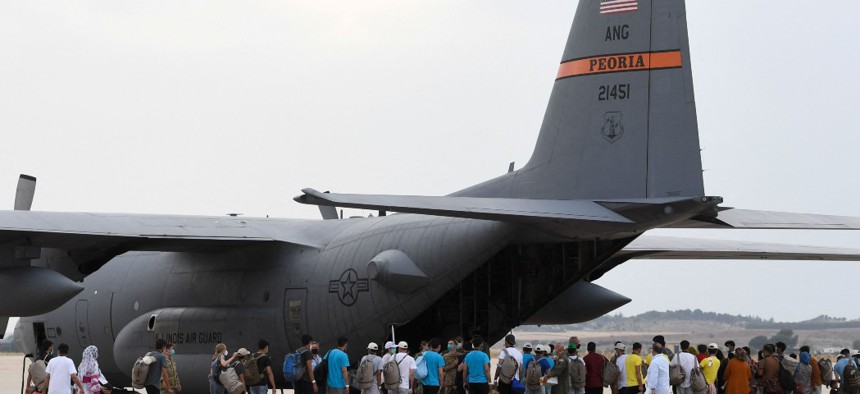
[(391, 373), (321, 371), (676, 373), (697, 381), (421, 371), (293, 367), (365, 376), (140, 370), (533, 375), (826, 368), (850, 376), (253, 376), (509, 368), (577, 373), (609, 372), (230, 380), (37, 371), (786, 380)]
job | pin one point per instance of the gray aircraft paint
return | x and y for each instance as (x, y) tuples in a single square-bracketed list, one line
[(198, 280)]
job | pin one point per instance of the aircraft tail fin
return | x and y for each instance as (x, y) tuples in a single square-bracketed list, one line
[(621, 119)]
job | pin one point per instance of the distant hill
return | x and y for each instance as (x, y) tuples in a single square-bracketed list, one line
[(696, 319)]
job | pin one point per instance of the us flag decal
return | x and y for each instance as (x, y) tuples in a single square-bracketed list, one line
[(618, 6)]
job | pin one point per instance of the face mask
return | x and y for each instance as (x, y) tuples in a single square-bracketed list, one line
[(172, 352), (225, 353), (315, 351), (393, 351), (450, 347)]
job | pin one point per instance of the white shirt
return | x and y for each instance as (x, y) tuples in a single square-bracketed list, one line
[(620, 362), (688, 362), (658, 376), (517, 355), (61, 369), (406, 363)]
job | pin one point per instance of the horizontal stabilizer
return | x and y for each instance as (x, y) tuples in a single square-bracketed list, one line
[(501, 209), (660, 247), (752, 219)]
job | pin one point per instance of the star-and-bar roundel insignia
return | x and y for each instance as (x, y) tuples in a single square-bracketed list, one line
[(348, 286)]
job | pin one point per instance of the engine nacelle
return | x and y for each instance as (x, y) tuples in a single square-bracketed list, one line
[(195, 332), (31, 291)]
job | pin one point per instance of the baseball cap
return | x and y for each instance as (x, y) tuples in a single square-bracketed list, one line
[(620, 346), (539, 348), (372, 346), (243, 352), (713, 346), (389, 345), (527, 346), (572, 346), (403, 345)]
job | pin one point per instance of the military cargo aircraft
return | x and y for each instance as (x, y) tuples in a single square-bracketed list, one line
[(617, 155)]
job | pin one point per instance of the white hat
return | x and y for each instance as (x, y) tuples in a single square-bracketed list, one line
[(372, 346), (713, 346), (527, 345), (403, 345), (620, 346), (243, 352), (389, 345), (541, 348)]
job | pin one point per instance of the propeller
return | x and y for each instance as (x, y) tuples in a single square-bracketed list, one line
[(24, 193)]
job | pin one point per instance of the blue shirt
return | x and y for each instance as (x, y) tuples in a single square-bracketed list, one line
[(840, 365), (527, 358), (434, 362), (475, 362), (543, 362), (337, 359)]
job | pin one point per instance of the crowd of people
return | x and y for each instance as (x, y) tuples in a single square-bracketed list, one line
[(463, 367), (53, 374)]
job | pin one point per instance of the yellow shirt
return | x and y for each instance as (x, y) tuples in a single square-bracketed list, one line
[(710, 366), (630, 366)]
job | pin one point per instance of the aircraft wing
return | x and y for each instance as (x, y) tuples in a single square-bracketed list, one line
[(66, 230), (753, 219), (502, 209), (681, 248)]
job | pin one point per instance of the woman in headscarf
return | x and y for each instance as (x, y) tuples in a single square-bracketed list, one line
[(170, 364), (737, 374), (803, 374), (89, 372)]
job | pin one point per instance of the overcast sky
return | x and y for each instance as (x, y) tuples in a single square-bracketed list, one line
[(210, 107)]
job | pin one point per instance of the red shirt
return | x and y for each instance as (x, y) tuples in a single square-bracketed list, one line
[(593, 366), (701, 356)]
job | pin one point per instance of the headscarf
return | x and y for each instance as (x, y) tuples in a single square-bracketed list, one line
[(89, 366), (805, 358)]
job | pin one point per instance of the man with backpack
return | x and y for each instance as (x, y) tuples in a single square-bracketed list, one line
[(258, 370), (687, 362), (369, 374), (508, 368), (298, 368), (434, 363), (157, 374), (399, 372), (535, 369), (768, 371), (847, 369), (337, 378), (577, 368), (476, 373)]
